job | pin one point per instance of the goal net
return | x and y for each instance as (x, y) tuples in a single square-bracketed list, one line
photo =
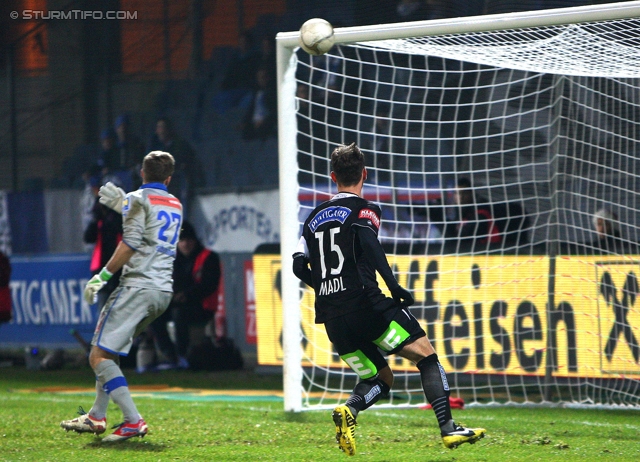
[(533, 119)]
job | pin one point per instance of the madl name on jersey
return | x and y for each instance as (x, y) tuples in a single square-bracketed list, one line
[(331, 286)]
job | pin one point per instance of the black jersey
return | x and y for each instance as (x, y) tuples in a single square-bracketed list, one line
[(343, 280)]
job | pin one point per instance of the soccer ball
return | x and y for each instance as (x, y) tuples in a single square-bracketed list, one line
[(316, 36)]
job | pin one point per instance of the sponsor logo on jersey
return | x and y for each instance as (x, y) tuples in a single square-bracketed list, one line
[(371, 216), (165, 201), (335, 213)]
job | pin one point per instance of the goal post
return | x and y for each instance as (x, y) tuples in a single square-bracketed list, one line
[(288, 175), (537, 108)]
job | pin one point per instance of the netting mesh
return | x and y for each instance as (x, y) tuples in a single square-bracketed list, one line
[(532, 297), (575, 49)]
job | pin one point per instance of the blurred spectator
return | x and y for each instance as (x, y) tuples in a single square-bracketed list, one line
[(609, 239), (196, 277), (5, 293), (91, 162), (130, 151), (475, 225), (188, 173), (436, 212), (241, 70), (268, 55), (513, 223), (261, 116), (104, 165), (108, 166), (239, 78), (409, 225), (105, 232), (109, 157)]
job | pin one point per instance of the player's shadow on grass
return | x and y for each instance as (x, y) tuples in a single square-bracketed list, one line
[(298, 417), (128, 446)]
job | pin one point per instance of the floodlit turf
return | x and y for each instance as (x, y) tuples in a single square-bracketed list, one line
[(261, 430)]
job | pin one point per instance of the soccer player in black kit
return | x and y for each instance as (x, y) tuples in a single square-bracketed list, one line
[(338, 255)]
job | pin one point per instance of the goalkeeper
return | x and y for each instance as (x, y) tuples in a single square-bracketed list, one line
[(338, 255), (151, 219)]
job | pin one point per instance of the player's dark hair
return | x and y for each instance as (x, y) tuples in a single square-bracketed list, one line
[(158, 166), (347, 162)]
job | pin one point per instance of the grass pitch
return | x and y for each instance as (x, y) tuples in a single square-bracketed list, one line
[(252, 429)]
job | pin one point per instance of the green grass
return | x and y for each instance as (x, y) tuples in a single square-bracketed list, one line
[(261, 430)]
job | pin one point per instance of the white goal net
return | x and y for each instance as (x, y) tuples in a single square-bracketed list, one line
[(532, 117)]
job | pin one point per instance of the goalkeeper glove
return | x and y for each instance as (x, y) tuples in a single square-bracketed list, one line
[(402, 296), (111, 196), (94, 285)]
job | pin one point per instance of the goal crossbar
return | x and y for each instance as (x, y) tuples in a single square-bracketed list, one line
[(485, 23)]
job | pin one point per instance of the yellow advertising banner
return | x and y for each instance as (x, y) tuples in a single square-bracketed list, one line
[(488, 314)]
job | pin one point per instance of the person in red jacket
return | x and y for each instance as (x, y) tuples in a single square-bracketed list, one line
[(105, 232), (476, 227), (196, 277)]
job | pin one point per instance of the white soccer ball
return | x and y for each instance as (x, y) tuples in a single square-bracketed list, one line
[(316, 36)]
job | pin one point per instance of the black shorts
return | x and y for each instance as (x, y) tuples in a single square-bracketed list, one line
[(358, 337)]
